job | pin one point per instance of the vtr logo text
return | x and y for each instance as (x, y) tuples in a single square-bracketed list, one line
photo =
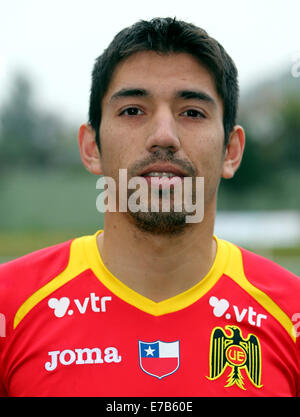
[(61, 306), (220, 307)]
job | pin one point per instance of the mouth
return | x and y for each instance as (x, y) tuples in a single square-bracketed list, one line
[(163, 175), (163, 170)]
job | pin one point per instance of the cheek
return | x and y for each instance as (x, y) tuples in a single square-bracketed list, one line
[(207, 157), (116, 150)]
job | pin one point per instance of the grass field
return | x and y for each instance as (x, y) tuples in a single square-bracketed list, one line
[(50, 201)]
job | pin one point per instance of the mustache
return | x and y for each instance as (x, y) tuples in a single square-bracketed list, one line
[(163, 156)]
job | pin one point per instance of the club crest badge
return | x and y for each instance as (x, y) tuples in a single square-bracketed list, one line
[(159, 359), (228, 348)]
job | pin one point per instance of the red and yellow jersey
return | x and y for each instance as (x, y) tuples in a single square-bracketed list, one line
[(71, 328)]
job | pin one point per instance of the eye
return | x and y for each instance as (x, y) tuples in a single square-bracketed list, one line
[(194, 114), (131, 111)]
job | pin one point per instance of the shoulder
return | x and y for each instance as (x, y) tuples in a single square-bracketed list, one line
[(270, 284), (264, 272), (36, 266), (23, 276)]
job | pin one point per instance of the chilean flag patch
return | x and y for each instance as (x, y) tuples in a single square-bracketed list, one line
[(158, 358)]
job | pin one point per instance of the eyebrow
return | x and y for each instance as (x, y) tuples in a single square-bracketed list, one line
[(195, 95), (130, 92), (185, 94)]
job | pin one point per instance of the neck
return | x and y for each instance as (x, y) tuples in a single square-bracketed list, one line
[(157, 266)]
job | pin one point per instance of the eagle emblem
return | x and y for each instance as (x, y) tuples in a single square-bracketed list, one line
[(232, 350)]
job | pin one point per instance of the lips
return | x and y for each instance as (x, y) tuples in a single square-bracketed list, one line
[(166, 170), (163, 175)]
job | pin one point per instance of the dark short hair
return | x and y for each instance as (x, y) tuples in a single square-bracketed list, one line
[(164, 36)]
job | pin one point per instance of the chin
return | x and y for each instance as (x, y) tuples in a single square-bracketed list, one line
[(160, 223)]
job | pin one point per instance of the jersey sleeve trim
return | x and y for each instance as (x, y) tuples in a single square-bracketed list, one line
[(76, 266), (235, 270)]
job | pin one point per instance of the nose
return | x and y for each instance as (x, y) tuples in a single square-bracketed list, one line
[(163, 132)]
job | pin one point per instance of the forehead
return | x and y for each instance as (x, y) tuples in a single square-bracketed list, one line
[(162, 74)]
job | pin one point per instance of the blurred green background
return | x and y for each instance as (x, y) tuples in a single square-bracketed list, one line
[(48, 197)]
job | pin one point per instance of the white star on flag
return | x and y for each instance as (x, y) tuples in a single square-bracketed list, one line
[(149, 351)]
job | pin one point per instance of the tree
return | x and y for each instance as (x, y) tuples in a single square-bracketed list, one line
[(29, 136)]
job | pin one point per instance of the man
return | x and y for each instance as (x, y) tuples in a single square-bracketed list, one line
[(154, 305)]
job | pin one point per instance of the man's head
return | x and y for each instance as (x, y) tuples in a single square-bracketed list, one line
[(165, 36), (163, 102)]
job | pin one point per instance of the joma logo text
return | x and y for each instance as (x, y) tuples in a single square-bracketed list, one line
[(82, 356)]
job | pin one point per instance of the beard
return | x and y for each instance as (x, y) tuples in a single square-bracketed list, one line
[(161, 222)]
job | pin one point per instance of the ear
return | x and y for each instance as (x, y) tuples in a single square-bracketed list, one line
[(234, 152), (88, 149)]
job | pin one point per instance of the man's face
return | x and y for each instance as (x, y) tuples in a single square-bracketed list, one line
[(162, 113)]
